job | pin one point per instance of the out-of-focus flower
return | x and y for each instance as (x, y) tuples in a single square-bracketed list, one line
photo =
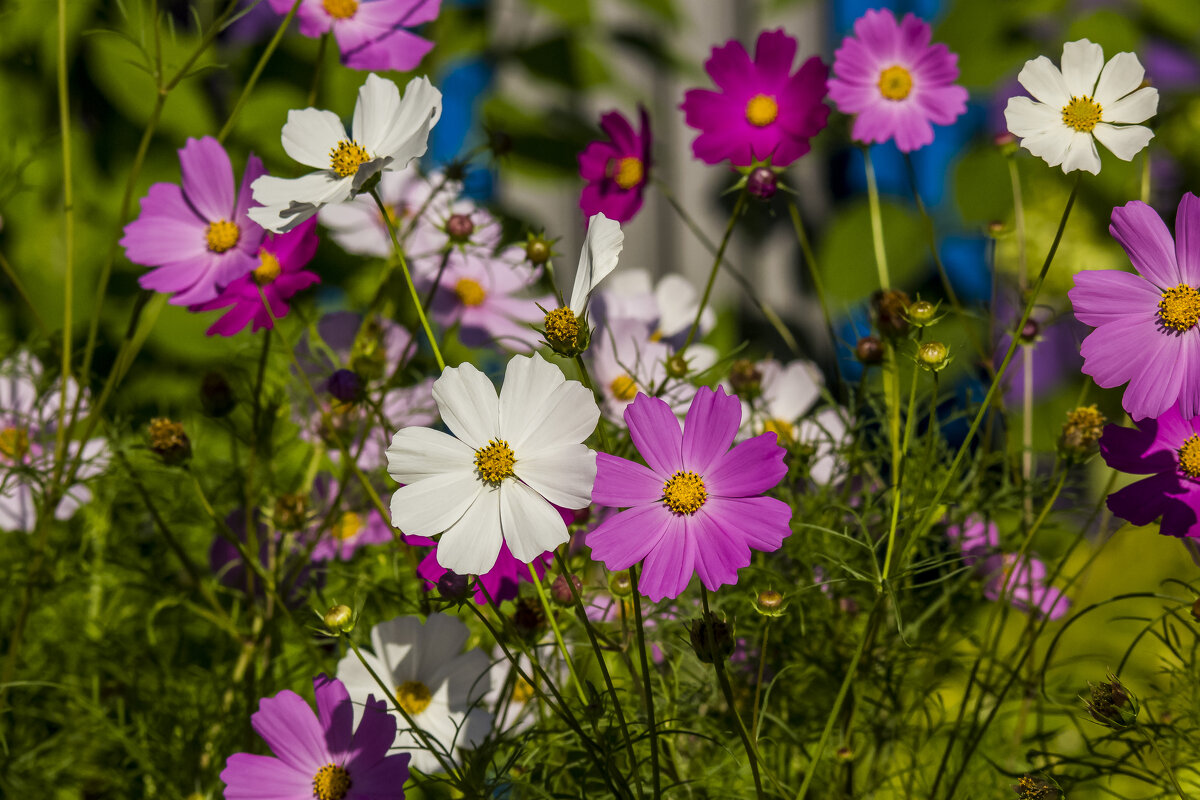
[(1020, 583), (763, 110), (616, 170), (355, 524), (669, 307), (1073, 108), (412, 203), (487, 297), (460, 226), (895, 82), (198, 236), (388, 133), (371, 34)]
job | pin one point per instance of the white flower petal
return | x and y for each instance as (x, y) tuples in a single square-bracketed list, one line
[(677, 305), (440, 642), (1082, 154), (1050, 145), (355, 676), (419, 453), (466, 676), (563, 475), (540, 408), (1081, 65), (1137, 107), (1043, 80), (598, 257), (1122, 74), (285, 203), (1026, 117), (387, 125), (471, 545), (791, 390), (428, 507), (468, 403), (531, 526), (1124, 141), (310, 134)]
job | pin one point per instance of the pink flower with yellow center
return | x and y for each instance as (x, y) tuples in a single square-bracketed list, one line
[(371, 34), (616, 170)]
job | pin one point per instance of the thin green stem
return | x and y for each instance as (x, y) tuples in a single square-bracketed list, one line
[(1166, 764), (898, 474), (881, 264), (738, 207), (319, 64), (64, 122), (558, 637), (15, 280), (655, 774), (258, 68), (814, 273)]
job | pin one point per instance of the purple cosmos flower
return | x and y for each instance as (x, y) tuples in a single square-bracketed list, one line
[(762, 111), (198, 236), (895, 81), (280, 273), (1168, 450), (697, 508), (1146, 324), (356, 523), (370, 34), (486, 298), (321, 756), (616, 171), (1022, 584), (500, 582)]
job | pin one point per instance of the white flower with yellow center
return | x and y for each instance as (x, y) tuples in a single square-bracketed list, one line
[(441, 687), (510, 457), (1075, 107), (597, 258), (387, 133)]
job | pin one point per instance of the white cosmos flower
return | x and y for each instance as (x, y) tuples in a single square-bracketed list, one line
[(442, 688), (388, 132), (1073, 108), (670, 305), (494, 480), (597, 258)]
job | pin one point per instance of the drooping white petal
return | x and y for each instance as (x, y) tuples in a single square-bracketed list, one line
[(310, 134), (1124, 141), (470, 546), (1026, 117), (1081, 64), (428, 507), (387, 125), (1082, 154), (1122, 74), (419, 453), (540, 408), (530, 524), (1137, 107), (601, 248), (468, 403), (1043, 80), (286, 202), (563, 475)]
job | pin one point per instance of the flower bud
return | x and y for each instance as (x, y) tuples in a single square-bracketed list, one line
[(620, 584), (561, 591), (216, 395), (677, 367), (712, 639), (997, 228), (890, 312), (770, 603), (1006, 143), (291, 511), (345, 386), (844, 754), (745, 379), (1112, 705), (933, 356), (869, 350), (762, 183), (459, 227), (453, 587), (169, 442), (922, 313), (339, 619), (537, 250), (1080, 435), (1196, 610)]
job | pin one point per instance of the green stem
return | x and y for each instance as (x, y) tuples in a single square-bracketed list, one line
[(64, 121), (898, 474), (712, 273), (655, 776), (814, 272), (319, 64), (13, 278), (562, 646), (881, 264), (258, 68), (1166, 764)]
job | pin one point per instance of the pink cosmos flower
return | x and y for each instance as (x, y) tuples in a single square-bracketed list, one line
[(320, 755), (762, 111), (617, 170), (370, 34), (1145, 324), (356, 523), (500, 582), (895, 81), (198, 236), (413, 202), (697, 508), (280, 273), (1021, 583), (486, 297)]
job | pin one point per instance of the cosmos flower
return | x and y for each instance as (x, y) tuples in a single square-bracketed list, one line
[(388, 133), (616, 170), (895, 83), (488, 299), (499, 583), (1078, 106), (412, 201), (509, 459), (199, 236), (627, 358), (438, 684), (1022, 583), (567, 328), (461, 226), (356, 523), (370, 34), (762, 110), (669, 307), (697, 509), (323, 756), (1145, 323)]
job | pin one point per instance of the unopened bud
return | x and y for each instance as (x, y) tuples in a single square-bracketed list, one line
[(933, 356), (1005, 142), (169, 442), (762, 183), (922, 313), (891, 309), (339, 619), (537, 250), (620, 584), (1029, 332), (345, 386), (529, 618), (997, 228), (460, 227), (1112, 705), (869, 350), (216, 395), (677, 367), (452, 586), (745, 378), (562, 592), (291, 511), (844, 753), (712, 639), (770, 603)]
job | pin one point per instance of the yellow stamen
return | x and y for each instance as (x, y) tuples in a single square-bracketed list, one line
[(629, 172), (761, 110), (1082, 114), (340, 9), (1189, 456), (469, 292), (347, 527), (14, 443), (413, 696), (222, 235), (895, 83), (268, 268), (623, 387), (347, 157), (562, 328), (495, 462), (684, 493), (1179, 308), (331, 783)]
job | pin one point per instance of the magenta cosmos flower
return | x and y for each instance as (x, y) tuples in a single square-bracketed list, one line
[(762, 111), (500, 582), (321, 756), (370, 34), (1168, 450), (697, 507), (895, 81), (1145, 324), (198, 236), (616, 170), (280, 273)]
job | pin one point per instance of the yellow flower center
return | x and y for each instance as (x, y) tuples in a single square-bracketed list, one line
[(495, 462), (268, 268), (413, 697), (340, 9), (895, 83), (522, 691), (346, 158), (1082, 114), (562, 328), (623, 387), (222, 235), (347, 527), (1189, 456), (14, 443), (1179, 308), (684, 493), (761, 110), (469, 292), (629, 172), (784, 431), (331, 783)]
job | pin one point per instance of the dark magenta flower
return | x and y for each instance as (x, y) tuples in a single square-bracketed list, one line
[(319, 756), (281, 274), (616, 170), (500, 582), (895, 81), (763, 110), (697, 508), (371, 34), (1168, 450)]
